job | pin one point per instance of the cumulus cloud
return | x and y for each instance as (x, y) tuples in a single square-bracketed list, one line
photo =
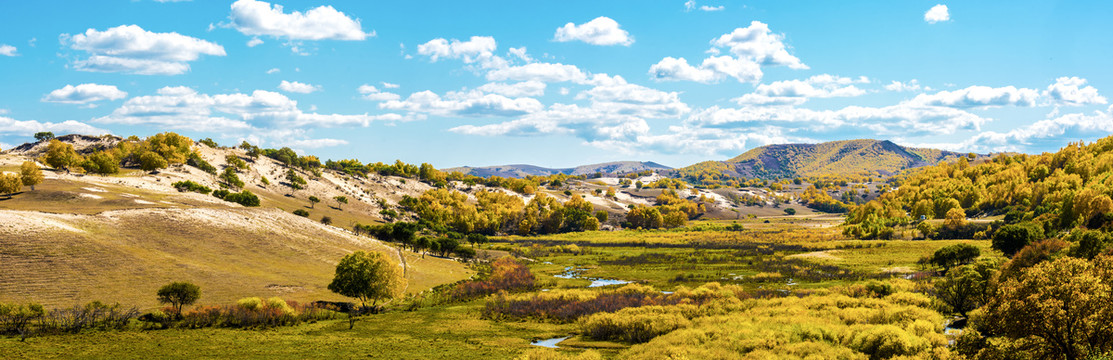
[(750, 47), (901, 119), (1070, 91), (387, 85), (599, 31), (795, 92), (184, 108), (636, 100), (910, 86), (297, 87), (980, 97), (374, 94), (478, 49), (937, 13), (467, 103), (254, 42), (8, 50), (1055, 130), (543, 72), (130, 49), (84, 94), (9, 126), (258, 18)]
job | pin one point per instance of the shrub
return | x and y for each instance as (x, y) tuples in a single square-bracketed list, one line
[(633, 325), (189, 185), (229, 177), (301, 212), (245, 198), (196, 161), (506, 274)]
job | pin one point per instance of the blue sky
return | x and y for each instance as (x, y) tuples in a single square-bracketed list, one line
[(560, 83)]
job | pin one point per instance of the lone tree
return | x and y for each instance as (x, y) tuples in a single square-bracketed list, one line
[(44, 136), (340, 200), (179, 294), (30, 174), (368, 276), (10, 184), (60, 155), (313, 200)]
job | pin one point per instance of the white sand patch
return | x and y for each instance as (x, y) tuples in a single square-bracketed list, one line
[(144, 202), (94, 189), (22, 222), (627, 199), (90, 196)]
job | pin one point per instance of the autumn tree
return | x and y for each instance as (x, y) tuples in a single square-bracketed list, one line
[(1056, 309), (368, 276), (10, 184), (151, 161), (30, 174), (60, 155), (179, 294)]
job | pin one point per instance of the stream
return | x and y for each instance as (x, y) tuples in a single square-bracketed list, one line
[(549, 343), (573, 273)]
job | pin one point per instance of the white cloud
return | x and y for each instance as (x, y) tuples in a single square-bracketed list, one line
[(752, 47), (689, 5), (588, 123), (254, 42), (520, 52), (184, 108), (273, 71), (599, 31), (1056, 130), (478, 49), (258, 18), (756, 42), (1069, 91), (84, 94), (911, 86), (937, 13), (130, 49), (712, 70), (315, 143), (470, 103), (712, 8), (636, 100), (8, 50), (544, 72), (980, 97), (297, 87), (901, 119), (795, 92), (389, 85), (371, 93), (9, 126), (525, 88)]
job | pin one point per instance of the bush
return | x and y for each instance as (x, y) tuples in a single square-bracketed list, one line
[(229, 177), (189, 185), (245, 198), (196, 161), (301, 212), (633, 325)]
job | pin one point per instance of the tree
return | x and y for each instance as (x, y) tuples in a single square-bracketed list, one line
[(368, 276), (313, 200), (229, 177), (790, 211), (30, 174), (44, 136), (179, 294), (967, 287), (1011, 238), (340, 200), (601, 216), (296, 182), (60, 155), (9, 184), (954, 219), (151, 161), (1057, 309), (477, 238), (957, 254), (101, 162), (326, 220)]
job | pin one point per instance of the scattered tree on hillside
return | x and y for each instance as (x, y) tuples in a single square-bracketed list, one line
[(313, 200), (368, 276), (101, 162), (327, 220), (30, 174), (229, 177), (179, 294), (476, 238), (296, 182), (44, 136), (340, 200), (10, 184), (151, 161), (60, 155)]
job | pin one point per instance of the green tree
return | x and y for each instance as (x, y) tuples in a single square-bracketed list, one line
[(30, 174), (957, 254), (477, 238), (368, 276), (229, 177), (296, 181), (151, 161), (1012, 237), (44, 136), (967, 287), (340, 201), (313, 200), (10, 184), (790, 211), (179, 294)]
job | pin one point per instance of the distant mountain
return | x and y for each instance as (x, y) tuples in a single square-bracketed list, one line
[(521, 170), (846, 157)]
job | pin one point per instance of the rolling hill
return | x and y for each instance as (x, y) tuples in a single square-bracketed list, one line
[(847, 157), (522, 170)]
